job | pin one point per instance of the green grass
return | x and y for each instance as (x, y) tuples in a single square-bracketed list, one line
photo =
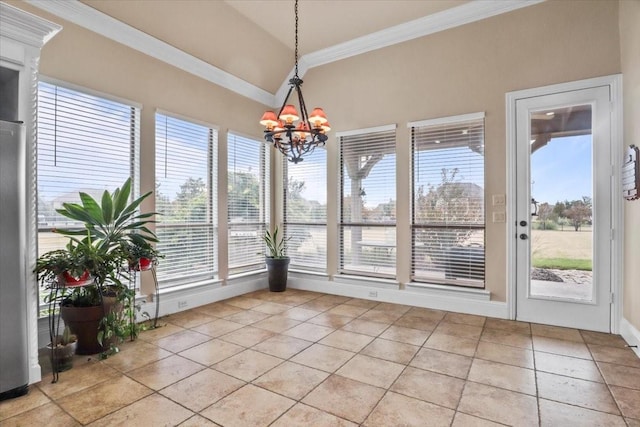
[(563, 263)]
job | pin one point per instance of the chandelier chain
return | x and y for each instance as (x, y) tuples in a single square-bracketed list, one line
[(296, 13)]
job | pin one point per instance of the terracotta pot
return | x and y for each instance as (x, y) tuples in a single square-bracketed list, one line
[(84, 323)]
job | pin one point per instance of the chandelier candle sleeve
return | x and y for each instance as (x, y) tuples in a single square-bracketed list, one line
[(295, 134)]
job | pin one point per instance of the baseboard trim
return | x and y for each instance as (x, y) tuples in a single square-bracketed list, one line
[(459, 304), (631, 335)]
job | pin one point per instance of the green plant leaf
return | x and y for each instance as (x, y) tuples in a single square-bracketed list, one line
[(107, 207)]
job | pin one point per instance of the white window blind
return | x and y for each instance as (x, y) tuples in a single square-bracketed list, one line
[(186, 197), (85, 143), (368, 202), (305, 211), (448, 201), (248, 202)]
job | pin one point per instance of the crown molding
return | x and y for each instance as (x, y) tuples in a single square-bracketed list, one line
[(444, 20), (103, 24), (96, 21), (25, 27)]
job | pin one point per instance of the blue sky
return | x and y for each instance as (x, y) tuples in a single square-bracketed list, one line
[(562, 170)]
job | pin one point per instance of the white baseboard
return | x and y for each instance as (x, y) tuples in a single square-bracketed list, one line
[(631, 335), (459, 304)]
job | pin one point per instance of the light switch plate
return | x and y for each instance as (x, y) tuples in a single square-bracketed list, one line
[(499, 217), (499, 200)]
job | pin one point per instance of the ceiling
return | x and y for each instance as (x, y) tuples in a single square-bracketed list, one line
[(247, 45)]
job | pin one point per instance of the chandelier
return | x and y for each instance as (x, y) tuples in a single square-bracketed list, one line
[(295, 134)]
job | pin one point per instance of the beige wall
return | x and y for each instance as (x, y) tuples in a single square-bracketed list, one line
[(630, 56), (465, 70), (462, 70)]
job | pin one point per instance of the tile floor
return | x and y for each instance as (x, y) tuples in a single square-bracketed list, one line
[(307, 359)]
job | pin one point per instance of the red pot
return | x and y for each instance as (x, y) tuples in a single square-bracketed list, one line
[(142, 264), (71, 281)]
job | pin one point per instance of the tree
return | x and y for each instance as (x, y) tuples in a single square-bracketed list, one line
[(544, 214), (579, 212), (244, 196)]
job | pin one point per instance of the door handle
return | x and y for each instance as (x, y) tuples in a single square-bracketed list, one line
[(523, 223), (523, 236)]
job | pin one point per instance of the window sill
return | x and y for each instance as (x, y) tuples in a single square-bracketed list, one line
[(450, 291), (234, 277), (367, 281), (168, 290)]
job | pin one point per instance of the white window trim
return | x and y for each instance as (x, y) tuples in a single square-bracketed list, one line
[(383, 128), (447, 120)]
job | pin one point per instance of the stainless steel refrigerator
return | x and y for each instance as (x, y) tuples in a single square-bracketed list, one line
[(14, 364)]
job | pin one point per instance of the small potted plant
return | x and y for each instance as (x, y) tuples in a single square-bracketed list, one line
[(140, 254), (63, 348), (68, 267), (276, 259)]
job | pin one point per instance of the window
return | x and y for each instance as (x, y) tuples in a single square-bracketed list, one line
[(305, 211), (368, 202), (186, 200), (85, 143), (448, 200), (248, 202)]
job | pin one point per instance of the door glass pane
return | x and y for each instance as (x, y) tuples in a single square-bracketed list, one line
[(562, 203)]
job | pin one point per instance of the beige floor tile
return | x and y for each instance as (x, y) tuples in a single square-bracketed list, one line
[(300, 314), (247, 336), (345, 398), (503, 337), (95, 402), (600, 338), (219, 309), (347, 310), (189, 318), (371, 370), (291, 380), (500, 375), (632, 423), (508, 325), (322, 357), (398, 410), (379, 315), (621, 356), (34, 399), (276, 323), (78, 379), (557, 332), (294, 299), (464, 420), (218, 327), (587, 394), (282, 346), (248, 406), (271, 308), (505, 354), (390, 350), (198, 421), (309, 332), (48, 414), (335, 299), (211, 352), (628, 400), (459, 330), (347, 340), (562, 347), (553, 414), (167, 371), (365, 327), (465, 319), (426, 313), (243, 302), (317, 305), (430, 386), (457, 345), (202, 389), (330, 320), (164, 329), (394, 308), (247, 317), (303, 415), (405, 335), (154, 410), (368, 304), (495, 404), (620, 375), (247, 365), (414, 322), (137, 356), (442, 362), (568, 366), (181, 341)]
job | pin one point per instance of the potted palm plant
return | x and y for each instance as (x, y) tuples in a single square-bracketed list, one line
[(276, 259), (109, 225)]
